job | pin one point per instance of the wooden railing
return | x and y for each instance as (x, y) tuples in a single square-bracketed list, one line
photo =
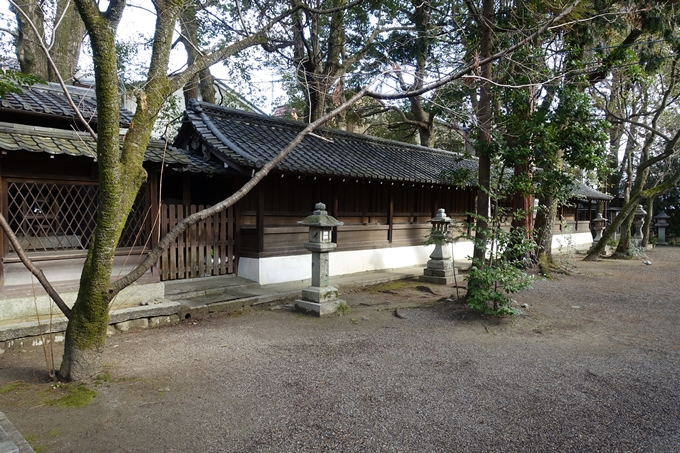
[(204, 249)]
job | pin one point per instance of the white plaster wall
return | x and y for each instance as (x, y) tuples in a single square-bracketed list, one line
[(571, 239), (299, 267), (278, 269), (282, 269)]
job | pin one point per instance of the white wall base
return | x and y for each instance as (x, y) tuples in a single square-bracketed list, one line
[(283, 269), (571, 240), (299, 267)]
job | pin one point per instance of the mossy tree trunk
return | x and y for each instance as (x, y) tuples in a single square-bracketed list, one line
[(120, 166), (543, 231)]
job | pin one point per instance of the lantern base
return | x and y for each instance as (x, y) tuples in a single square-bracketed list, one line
[(437, 280), (318, 309)]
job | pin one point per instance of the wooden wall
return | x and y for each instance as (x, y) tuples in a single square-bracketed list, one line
[(375, 215)]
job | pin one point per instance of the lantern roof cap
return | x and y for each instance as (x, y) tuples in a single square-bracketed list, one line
[(440, 217), (320, 218), (662, 215)]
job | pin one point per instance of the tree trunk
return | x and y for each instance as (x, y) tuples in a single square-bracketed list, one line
[(623, 247), (30, 55), (649, 218), (484, 119), (66, 42), (543, 228), (67, 39)]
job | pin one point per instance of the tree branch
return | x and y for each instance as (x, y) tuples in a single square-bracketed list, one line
[(34, 270), (468, 69)]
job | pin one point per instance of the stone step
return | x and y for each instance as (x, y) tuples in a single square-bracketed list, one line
[(205, 286), (11, 440)]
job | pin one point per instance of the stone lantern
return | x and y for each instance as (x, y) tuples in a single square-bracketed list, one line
[(638, 221), (440, 268), (598, 224), (661, 225), (319, 298)]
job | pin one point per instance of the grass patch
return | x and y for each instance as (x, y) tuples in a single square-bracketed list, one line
[(342, 308), (392, 286), (73, 396), (11, 386), (102, 379), (33, 442)]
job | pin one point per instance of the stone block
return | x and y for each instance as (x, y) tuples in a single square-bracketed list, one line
[(162, 308), (439, 272), (28, 329), (436, 264), (33, 341), (320, 294), (2, 347), (195, 312), (158, 321), (132, 325), (318, 309), (437, 280)]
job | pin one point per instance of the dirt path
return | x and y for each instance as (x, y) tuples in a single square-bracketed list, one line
[(592, 365)]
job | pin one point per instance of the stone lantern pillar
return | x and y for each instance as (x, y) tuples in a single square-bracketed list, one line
[(319, 298), (638, 221), (661, 225), (598, 224), (440, 268)]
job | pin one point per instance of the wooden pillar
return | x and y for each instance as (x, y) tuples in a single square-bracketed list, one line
[(335, 205), (259, 218), (576, 217), (154, 207), (3, 242), (471, 204), (390, 215), (186, 190)]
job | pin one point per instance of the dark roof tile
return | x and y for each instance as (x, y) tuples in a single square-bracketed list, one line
[(248, 139), (17, 137), (50, 99)]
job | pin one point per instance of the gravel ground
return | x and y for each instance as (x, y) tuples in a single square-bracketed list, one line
[(593, 365)]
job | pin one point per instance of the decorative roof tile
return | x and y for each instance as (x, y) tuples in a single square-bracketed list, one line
[(18, 137), (50, 100), (249, 140)]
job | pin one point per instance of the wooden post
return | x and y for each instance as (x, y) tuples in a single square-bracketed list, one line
[(186, 190), (390, 216), (576, 217), (335, 206), (259, 218), (154, 207), (3, 243)]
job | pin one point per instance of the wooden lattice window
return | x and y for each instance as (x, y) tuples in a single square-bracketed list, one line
[(49, 216)]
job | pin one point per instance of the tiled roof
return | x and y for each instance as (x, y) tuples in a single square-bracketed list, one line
[(249, 140), (50, 100), (18, 137), (583, 192)]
